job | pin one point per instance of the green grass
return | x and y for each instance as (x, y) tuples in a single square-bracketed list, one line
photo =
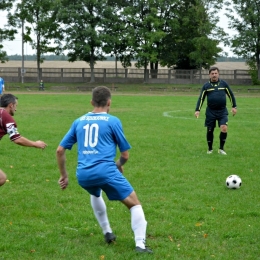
[(190, 212), (130, 88)]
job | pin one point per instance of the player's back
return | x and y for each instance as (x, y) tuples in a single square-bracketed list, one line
[(95, 137), (98, 135)]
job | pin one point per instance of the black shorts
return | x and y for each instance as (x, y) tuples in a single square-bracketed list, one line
[(213, 115)]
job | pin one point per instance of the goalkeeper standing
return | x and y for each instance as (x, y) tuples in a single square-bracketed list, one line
[(216, 91)]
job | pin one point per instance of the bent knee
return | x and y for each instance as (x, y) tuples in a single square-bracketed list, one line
[(223, 128), (131, 200)]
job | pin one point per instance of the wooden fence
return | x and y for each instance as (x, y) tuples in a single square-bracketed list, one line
[(109, 75)]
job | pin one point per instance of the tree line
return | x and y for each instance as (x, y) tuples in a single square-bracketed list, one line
[(176, 34)]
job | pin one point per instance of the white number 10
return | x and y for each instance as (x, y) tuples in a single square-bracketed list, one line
[(91, 135)]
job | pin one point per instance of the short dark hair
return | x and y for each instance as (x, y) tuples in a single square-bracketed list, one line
[(100, 96), (6, 99), (213, 68)]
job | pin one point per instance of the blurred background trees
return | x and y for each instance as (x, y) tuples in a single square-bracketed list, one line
[(144, 33)]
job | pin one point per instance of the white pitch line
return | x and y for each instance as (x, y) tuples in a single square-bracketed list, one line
[(192, 117), (167, 114)]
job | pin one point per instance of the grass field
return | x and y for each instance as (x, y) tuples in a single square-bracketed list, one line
[(126, 88), (190, 212)]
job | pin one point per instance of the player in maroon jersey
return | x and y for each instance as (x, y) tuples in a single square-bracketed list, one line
[(8, 126)]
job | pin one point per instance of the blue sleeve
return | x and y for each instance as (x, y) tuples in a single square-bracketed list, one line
[(70, 138), (122, 143)]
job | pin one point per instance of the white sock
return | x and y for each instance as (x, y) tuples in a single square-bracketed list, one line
[(138, 224), (100, 211)]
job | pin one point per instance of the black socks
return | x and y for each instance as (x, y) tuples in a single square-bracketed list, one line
[(222, 139)]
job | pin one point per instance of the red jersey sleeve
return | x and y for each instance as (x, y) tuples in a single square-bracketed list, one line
[(8, 126)]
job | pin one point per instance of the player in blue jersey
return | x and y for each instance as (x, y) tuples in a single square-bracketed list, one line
[(98, 134), (216, 91)]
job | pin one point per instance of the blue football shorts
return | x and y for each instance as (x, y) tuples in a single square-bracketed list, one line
[(118, 188)]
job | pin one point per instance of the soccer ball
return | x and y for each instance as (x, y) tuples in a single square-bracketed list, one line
[(233, 182)]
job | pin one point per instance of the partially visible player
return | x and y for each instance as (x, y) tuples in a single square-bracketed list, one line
[(2, 86), (98, 134), (216, 91), (2, 178), (8, 126)]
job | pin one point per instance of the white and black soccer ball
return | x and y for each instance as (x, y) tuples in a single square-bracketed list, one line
[(233, 182)]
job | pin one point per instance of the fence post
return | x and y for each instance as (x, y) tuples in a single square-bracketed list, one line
[(83, 74), (126, 74), (104, 75), (19, 73), (169, 76), (61, 75), (40, 73), (235, 74)]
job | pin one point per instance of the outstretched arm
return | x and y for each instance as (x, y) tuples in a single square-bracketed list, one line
[(26, 142), (61, 159)]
